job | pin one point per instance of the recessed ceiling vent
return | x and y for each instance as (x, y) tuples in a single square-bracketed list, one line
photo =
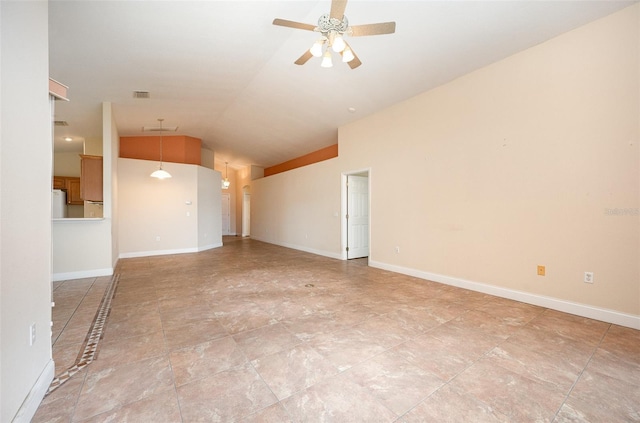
[(159, 129), (60, 123), (141, 94)]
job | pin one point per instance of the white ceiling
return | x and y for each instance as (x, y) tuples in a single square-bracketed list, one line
[(221, 72)]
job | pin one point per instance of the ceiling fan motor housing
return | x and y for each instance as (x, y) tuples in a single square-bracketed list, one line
[(327, 24)]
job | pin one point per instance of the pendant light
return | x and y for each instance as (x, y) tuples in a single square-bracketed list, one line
[(225, 181), (161, 173)]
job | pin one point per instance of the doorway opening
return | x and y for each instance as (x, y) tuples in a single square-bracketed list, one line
[(355, 214)]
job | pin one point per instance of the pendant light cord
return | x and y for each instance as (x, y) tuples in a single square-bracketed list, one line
[(160, 120)]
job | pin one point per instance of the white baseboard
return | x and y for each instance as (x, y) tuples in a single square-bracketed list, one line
[(32, 402), (210, 246), (158, 252), (81, 274), (168, 252), (584, 310), (302, 248)]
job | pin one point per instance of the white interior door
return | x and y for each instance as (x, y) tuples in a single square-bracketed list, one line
[(226, 218), (357, 216), (246, 214)]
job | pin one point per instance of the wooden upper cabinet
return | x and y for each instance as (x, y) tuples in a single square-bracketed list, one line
[(59, 182), (91, 178), (73, 191), (70, 185)]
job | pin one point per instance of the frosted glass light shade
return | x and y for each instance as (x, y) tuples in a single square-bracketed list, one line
[(326, 60), (161, 174), (347, 55), (338, 44), (316, 48)]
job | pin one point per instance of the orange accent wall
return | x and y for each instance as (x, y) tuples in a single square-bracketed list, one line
[(175, 148), (311, 158)]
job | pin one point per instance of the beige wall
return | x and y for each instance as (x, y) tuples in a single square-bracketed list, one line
[(299, 209), (150, 208), (207, 158), (208, 209), (66, 164), (111, 139), (94, 147), (522, 163), (25, 216)]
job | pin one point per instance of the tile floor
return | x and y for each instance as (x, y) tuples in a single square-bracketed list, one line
[(252, 332)]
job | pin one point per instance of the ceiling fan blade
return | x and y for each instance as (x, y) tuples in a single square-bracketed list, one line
[(292, 24), (372, 29), (355, 62), (337, 9), (304, 58)]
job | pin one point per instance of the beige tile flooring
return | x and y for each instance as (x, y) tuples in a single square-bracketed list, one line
[(252, 332)]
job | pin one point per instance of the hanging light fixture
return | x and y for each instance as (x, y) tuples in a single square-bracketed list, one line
[(347, 55), (316, 48), (225, 181), (338, 43), (326, 59), (161, 173)]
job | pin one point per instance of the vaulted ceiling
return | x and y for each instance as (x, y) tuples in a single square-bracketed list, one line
[(220, 71)]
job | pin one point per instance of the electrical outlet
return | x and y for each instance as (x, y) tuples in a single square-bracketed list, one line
[(157, 238), (588, 277), (32, 334), (541, 270), (397, 250)]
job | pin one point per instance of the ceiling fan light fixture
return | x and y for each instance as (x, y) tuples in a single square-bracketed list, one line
[(326, 59), (316, 48), (338, 43), (347, 55), (333, 26)]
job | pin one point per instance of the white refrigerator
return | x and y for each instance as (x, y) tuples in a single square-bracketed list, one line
[(58, 204)]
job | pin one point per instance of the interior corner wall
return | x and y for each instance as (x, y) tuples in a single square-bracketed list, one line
[(207, 158), (299, 208), (533, 160), (158, 217), (111, 146), (25, 215), (209, 209)]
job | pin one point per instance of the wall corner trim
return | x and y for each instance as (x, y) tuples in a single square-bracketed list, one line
[(32, 401), (584, 310)]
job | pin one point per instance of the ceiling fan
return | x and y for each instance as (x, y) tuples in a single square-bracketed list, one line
[(333, 26)]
